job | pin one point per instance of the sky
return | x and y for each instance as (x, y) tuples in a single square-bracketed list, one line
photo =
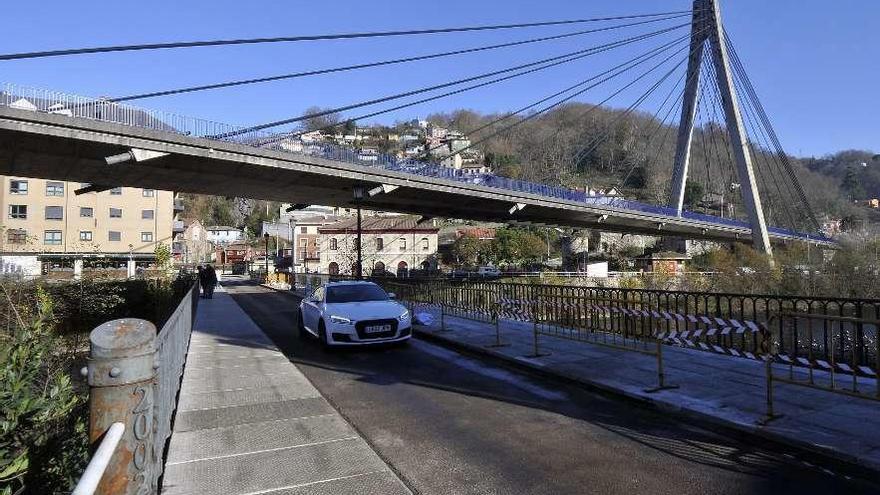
[(815, 64)]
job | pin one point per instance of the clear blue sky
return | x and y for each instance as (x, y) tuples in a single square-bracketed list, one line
[(816, 64)]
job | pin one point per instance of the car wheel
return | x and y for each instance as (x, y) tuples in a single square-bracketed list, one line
[(322, 334), (300, 327)]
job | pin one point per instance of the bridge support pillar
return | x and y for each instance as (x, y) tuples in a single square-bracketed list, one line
[(707, 27)]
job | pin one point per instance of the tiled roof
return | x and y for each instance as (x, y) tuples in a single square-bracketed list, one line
[(381, 224)]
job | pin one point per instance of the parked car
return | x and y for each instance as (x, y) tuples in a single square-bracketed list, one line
[(488, 272), (353, 313)]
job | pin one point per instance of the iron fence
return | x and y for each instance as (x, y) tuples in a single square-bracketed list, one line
[(172, 344), (107, 110), (134, 374), (743, 325)]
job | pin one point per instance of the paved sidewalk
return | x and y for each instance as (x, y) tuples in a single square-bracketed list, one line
[(248, 421), (723, 390)]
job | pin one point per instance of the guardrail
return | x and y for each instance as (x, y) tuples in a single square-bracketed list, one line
[(134, 377), (109, 111)]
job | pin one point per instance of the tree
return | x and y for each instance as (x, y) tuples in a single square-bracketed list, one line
[(467, 250), (163, 256), (318, 118), (693, 193)]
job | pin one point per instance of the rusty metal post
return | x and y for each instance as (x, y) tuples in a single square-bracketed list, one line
[(661, 374), (121, 374)]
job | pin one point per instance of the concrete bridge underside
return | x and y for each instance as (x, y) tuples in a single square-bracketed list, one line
[(42, 145)]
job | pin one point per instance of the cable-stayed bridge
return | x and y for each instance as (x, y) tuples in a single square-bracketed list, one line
[(722, 127)]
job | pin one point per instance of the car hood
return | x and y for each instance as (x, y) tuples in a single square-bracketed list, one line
[(369, 310)]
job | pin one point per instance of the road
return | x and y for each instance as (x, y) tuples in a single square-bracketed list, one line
[(452, 424)]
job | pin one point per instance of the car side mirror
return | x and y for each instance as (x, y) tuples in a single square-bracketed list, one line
[(392, 295)]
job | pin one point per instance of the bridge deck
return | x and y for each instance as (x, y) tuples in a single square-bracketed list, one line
[(249, 421)]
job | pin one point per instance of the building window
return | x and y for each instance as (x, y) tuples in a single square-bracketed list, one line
[(54, 213), (149, 193), (146, 237), (147, 214), (333, 245), (116, 191), (115, 212), (52, 237), (86, 212), (85, 235), (380, 244), (16, 236), (18, 187), (18, 212), (303, 230), (114, 236), (402, 244), (54, 188), (424, 243), (303, 242)]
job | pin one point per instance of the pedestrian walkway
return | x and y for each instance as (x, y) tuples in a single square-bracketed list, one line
[(248, 421), (723, 390)]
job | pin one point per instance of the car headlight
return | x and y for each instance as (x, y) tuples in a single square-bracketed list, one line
[(404, 316), (340, 320)]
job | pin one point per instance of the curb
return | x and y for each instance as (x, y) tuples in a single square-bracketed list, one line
[(850, 464)]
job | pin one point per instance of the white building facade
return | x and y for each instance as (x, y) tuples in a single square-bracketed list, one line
[(391, 245)]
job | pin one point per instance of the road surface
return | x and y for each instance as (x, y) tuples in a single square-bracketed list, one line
[(451, 424)]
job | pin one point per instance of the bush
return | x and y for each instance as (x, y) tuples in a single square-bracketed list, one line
[(43, 434)]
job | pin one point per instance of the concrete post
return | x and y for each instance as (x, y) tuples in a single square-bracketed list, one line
[(131, 268), (77, 269), (121, 374)]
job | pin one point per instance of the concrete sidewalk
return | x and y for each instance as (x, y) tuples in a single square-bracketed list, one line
[(722, 390), (248, 421)]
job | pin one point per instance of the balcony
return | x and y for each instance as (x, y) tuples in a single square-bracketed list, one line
[(178, 206), (177, 226)]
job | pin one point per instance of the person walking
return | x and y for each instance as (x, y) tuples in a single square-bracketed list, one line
[(210, 281), (201, 274)]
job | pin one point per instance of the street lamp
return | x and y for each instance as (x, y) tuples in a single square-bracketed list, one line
[(266, 237), (359, 193)]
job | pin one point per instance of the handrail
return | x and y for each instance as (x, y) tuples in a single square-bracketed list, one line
[(88, 483)]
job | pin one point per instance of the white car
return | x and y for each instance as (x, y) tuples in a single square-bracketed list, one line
[(353, 313)]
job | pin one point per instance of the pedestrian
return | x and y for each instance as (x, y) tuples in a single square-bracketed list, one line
[(210, 281), (201, 274)]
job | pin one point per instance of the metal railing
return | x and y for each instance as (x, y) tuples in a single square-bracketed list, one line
[(108, 111), (134, 375), (88, 483)]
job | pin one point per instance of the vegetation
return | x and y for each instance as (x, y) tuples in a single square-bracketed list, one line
[(510, 247), (43, 341)]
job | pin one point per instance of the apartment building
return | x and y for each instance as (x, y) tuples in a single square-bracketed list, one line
[(46, 225)]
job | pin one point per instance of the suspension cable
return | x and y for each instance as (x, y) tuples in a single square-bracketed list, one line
[(318, 37), (295, 75), (561, 59)]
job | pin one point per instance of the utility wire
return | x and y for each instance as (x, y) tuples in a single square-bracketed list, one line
[(571, 55), (487, 83), (317, 37), (294, 75)]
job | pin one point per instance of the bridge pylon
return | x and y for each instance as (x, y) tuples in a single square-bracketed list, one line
[(707, 31)]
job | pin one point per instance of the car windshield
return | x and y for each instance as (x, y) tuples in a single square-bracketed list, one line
[(355, 293)]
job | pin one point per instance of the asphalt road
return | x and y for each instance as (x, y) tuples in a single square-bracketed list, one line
[(451, 424)]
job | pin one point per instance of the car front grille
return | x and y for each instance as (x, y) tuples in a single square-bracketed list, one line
[(363, 335)]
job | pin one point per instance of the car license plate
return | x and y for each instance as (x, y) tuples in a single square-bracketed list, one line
[(377, 328)]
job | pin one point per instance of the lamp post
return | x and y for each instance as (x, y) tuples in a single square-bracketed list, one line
[(266, 237), (359, 193)]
